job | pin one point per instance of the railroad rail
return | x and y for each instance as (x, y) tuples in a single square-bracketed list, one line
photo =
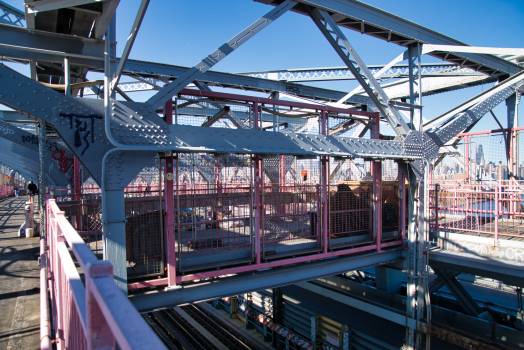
[(193, 327)]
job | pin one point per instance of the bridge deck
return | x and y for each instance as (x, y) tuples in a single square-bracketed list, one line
[(19, 280)]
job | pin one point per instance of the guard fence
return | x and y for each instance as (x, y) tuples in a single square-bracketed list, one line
[(88, 310)]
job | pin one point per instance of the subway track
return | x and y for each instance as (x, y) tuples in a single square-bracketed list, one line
[(192, 327)]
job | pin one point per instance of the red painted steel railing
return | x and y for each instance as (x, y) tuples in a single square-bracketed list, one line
[(88, 314), (490, 208)]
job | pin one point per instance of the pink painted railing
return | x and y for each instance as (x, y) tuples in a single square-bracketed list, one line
[(495, 209), (6, 191), (93, 314)]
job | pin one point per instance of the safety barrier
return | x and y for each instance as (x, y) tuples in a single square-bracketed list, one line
[(6, 191), (484, 208), (91, 312)]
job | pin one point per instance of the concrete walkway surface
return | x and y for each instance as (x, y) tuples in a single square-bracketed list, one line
[(19, 280)]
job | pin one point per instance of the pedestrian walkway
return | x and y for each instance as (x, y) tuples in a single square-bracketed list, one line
[(19, 280)]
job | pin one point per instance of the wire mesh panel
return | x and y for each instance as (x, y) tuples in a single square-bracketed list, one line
[(85, 215), (475, 158), (198, 111), (289, 222), (142, 211), (350, 214), (144, 238), (213, 211), (390, 210)]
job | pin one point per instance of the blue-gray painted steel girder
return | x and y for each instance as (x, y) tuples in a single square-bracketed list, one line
[(230, 80), (11, 15), (506, 271), (79, 123), (366, 19), (28, 168), (31, 159), (259, 280), (44, 46), (342, 73), (47, 42), (470, 112)]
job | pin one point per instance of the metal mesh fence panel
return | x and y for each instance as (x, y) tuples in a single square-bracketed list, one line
[(213, 211), (289, 223)]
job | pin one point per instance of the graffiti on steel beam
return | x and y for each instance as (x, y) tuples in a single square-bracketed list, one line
[(80, 124)]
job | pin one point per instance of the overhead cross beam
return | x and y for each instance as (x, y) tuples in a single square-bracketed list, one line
[(369, 20), (203, 66), (343, 73)]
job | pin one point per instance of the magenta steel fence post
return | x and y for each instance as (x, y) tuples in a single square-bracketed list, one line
[(325, 179), (58, 282), (497, 194), (45, 323), (169, 205), (466, 153), (437, 189), (99, 334), (377, 189), (257, 178)]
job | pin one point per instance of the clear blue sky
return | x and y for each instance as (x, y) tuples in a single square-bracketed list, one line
[(184, 32)]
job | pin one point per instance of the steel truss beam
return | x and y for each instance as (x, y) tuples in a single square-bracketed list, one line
[(134, 125), (43, 46), (458, 291), (194, 73), (347, 53), (30, 158), (11, 15), (369, 20), (259, 280), (453, 123), (508, 272), (343, 73), (28, 167), (58, 160), (27, 174)]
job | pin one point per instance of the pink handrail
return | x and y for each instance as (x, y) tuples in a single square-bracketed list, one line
[(92, 316)]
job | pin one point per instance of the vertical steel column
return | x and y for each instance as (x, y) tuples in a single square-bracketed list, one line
[(412, 53), (411, 301), (115, 235), (67, 77), (114, 219), (497, 195), (403, 208), (325, 179), (257, 178), (421, 256), (169, 205), (377, 189)]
